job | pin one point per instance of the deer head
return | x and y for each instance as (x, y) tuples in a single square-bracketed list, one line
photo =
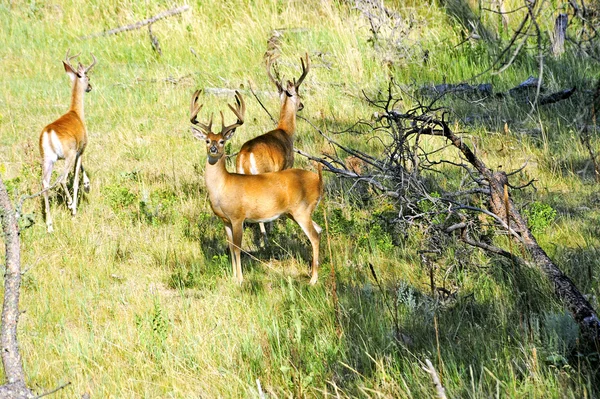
[(79, 73), (215, 142), (291, 88)]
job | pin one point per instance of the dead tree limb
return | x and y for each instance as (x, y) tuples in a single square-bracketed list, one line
[(397, 171), (564, 288), (15, 386), (154, 41), (141, 24)]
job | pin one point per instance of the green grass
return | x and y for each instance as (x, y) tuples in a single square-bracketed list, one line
[(134, 296)]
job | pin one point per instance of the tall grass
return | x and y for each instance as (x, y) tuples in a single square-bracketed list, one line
[(134, 297)]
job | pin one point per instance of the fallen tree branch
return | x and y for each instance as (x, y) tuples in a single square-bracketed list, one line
[(63, 386), (464, 236), (485, 90), (141, 24), (564, 288)]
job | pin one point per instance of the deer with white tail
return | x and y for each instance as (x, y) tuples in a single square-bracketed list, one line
[(237, 198), (274, 150), (66, 138)]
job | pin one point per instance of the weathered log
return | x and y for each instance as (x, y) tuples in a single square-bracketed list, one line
[(525, 87), (521, 92)]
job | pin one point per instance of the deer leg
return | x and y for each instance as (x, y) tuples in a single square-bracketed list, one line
[(263, 233), (229, 232), (238, 231), (47, 167), (313, 232), (76, 184), (69, 162), (86, 180)]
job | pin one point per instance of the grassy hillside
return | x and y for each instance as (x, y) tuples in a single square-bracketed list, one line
[(134, 296)]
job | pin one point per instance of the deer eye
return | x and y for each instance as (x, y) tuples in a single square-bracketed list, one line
[(221, 142), (207, 142)]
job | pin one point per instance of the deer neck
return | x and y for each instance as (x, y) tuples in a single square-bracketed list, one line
[(77, 98), (216, 176), (287, 117)]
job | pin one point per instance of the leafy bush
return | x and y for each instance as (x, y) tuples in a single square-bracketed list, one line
[(119, 197), (539, 216)]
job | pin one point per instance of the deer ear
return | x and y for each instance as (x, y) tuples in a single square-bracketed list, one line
[(72, 74), (229, 134), (200, 135)]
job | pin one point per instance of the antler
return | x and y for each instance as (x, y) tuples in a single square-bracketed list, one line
[(239, 111), (194, 109), (93, 63), (277, 83), (305, 69), (69, 58)]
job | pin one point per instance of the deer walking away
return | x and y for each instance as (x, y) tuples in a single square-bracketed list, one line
[(66, 138)]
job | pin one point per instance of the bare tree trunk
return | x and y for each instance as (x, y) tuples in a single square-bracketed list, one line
[(560, 31), (15, 386)]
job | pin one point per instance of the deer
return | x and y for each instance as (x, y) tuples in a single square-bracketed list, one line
[(274, 150), (66, 138), (236, 198)]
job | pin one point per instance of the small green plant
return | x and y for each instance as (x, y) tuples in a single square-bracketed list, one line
[(182, 278), (539, 216), (157, 207), (376, 238), (338, 223), (429, 205), (120, 197), (12, 185), (153, 330)]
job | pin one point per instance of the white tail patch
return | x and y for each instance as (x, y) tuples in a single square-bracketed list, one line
[(57, 144), (239, 161), (253, 168), (52, 151)]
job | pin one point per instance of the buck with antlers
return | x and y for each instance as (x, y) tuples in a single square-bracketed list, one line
[(66, 138), (236, 198), (274, 150)]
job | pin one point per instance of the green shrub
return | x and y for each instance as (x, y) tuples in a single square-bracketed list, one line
[(118, 196), (539, 216)]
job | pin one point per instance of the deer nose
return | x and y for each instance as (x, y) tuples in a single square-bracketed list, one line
[(213, 149), (88, 88)]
